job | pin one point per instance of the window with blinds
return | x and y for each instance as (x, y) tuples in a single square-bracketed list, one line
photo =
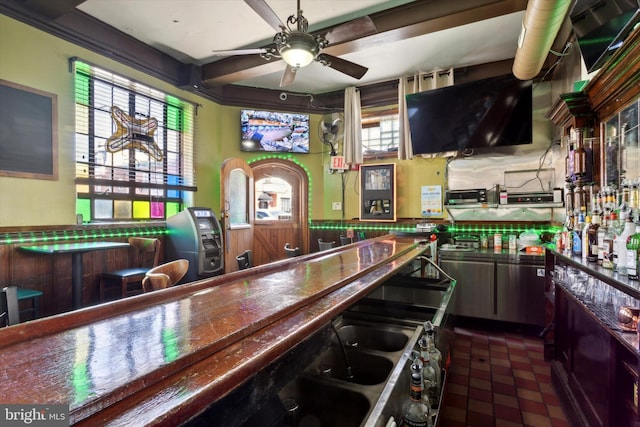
[(134, 148), (380, 133)]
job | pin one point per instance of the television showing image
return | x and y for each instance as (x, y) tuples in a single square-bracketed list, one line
[(273, 131)]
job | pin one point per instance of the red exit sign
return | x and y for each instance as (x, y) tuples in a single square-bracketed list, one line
[(338, 163)]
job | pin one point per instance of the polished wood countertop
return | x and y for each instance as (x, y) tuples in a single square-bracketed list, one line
[(160, 358)]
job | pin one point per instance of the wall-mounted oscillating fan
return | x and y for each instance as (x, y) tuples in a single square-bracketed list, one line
[(298, 47), (331, 130)]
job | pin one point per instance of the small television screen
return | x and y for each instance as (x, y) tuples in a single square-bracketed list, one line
[(483, 114), (601, 26), (273, 131)]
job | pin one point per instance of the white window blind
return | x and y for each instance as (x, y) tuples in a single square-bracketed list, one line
[(380, 133), (134, 148)]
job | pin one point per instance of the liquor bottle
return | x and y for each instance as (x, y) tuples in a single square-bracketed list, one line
[(625, 195), (585, 237), (604, 223), (432, 360), (620, 246), (415, 412), (592, 237), (634, 203), (576, 236), (623, 206), (633, 244), (436, 355), (430, 378), (609, 200), (608, 238)]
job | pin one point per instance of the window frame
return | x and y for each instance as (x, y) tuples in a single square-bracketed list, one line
[(152, 189), (369, 120)]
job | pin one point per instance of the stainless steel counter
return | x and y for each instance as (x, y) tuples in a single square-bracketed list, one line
[(503, 255)]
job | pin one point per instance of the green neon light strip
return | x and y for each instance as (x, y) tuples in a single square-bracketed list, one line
[(409, 227), (290, 158), (66, 235), (502, 228)]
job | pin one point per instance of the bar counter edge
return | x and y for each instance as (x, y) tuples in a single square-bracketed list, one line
[(176, 393)]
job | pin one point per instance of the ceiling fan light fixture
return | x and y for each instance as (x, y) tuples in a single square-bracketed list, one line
[(299, 49)]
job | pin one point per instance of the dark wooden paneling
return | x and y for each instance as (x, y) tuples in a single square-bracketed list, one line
[(51, 274)]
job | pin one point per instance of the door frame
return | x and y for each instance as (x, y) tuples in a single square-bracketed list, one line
[(238, 238), (301, 204)]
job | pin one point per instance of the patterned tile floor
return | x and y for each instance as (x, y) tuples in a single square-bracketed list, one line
[(499, 378)]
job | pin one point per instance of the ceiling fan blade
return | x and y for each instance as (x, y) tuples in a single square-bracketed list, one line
[(255, 51), (347, 67), (288, 76), (265, 12), (351, 30)]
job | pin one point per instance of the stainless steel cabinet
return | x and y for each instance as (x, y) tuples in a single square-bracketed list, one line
[(475, 287), (508, 290), (520, 292)]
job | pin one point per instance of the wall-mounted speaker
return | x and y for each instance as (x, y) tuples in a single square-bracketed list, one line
[(189, 77)]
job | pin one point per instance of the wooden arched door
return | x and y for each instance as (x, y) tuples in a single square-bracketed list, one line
[(276, 180)]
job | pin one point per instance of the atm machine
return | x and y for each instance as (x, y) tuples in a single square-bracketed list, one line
[(195, 235)]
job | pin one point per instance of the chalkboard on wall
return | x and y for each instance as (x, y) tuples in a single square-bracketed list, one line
[(28, 132)]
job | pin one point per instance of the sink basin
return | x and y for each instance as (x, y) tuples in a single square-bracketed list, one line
[(372, 338), (367, 369), (320, 404), (456, 248)]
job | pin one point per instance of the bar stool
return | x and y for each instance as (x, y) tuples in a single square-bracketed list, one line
[(245, 260), (344, 240), (34, 295), (325, 245), (291, 252)]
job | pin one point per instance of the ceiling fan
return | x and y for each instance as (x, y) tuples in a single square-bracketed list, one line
[(298, 48)]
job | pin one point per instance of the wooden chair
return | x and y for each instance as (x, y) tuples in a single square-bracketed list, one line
[(9, 311), (165, 275), (245, 260), (146, 255), (291, 252), (325, 245)]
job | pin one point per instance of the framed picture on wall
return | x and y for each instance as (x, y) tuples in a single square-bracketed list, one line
[(378, 192)]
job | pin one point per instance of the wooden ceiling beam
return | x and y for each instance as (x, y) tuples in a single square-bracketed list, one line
[(400, 23), (52, 9)]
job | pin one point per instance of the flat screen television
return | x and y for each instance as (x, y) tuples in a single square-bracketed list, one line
[(273, 131), (601, 26), (482, 114)]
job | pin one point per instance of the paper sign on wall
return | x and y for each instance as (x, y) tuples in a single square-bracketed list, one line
[(431, 200)]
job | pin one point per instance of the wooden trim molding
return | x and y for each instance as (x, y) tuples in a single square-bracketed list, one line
[(618, 81)]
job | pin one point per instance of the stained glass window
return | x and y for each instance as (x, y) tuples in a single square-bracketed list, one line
[(134, 148)]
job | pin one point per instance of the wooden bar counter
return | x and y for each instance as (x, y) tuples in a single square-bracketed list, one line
[(162, 358)]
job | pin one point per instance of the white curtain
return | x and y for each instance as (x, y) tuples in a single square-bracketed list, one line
[(419, 83), (352, 126)]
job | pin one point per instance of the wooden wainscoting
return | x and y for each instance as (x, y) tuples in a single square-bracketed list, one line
[(51, 274)]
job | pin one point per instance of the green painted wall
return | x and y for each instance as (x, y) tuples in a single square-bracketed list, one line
[(229, 143), (411, 175), (39, 60)]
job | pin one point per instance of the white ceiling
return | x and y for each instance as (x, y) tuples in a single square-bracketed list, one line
[(190, 30)]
